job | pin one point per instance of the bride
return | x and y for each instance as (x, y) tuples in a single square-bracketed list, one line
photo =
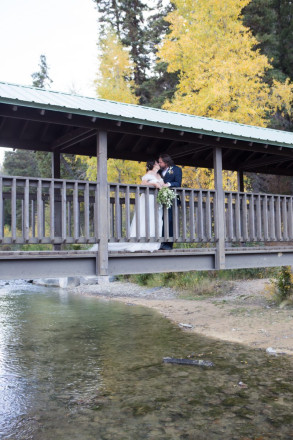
[(153, 179)]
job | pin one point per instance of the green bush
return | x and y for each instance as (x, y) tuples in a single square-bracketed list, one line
[(284, 284)]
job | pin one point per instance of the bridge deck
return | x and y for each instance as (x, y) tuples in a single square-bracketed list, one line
[(55, 264)]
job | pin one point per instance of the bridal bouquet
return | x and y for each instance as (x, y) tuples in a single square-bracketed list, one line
[(166, 197)]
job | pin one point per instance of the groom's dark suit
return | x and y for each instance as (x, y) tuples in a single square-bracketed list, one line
[(173, 177)]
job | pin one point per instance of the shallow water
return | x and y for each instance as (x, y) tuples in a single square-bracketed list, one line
[(78, 368)]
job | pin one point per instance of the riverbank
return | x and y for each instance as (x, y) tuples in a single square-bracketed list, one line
[(245, 315)]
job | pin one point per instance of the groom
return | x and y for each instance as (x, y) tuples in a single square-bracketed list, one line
[(172, 176)]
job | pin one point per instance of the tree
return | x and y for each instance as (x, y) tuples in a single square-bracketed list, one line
[(127, 19), (41, 78), (116, 71), (221, 73), (272, 25), (140, 28), (20, 163)]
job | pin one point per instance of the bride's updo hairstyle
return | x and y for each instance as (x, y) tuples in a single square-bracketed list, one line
[(150, 165)]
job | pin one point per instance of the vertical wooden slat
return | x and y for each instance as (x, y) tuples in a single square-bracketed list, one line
[(183, 210), (1, 210), (75, 212), (258, 218), (191, 216), (208, 216), (117, 213), (166, 222), (22, 218), (285, 218), (272, 218), (137, 212), (146, 220), (63, 212), (26, 213), (127, 213), (69, 218), (290, 218), (265, 218), (244, 217), (96, 211), (87, 212), (237, 218), (40, 211), (52, 211), (158, 213), (230, 234), (44, 218), (251, 218), (33, 218), (278, 219), (175, 217), (13, 210), (200, 217)]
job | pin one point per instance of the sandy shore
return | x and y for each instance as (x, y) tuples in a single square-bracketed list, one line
[(245, 315)]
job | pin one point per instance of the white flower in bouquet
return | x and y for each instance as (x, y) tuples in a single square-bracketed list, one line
[(166, 197)]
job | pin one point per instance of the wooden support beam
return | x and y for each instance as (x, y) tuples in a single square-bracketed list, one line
[(73, 137), (102, 198), (121, 143), (220, 210), (240, 181)]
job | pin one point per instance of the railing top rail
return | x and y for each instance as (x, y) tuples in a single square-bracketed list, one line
[(135, 185), (257, 194)]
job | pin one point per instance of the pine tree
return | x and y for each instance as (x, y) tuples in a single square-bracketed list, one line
[(41, 78)]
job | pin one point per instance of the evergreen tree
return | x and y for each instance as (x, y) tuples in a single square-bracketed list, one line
[(127, 18), (20, 163), (272, 25), (140, 28), (41, 78)]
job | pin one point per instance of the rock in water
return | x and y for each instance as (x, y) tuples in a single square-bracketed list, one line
[(200, 363)]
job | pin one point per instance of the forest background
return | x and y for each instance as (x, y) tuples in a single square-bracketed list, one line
[(229, 60)]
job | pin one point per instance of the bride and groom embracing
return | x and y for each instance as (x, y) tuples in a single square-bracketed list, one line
[(161, 173)]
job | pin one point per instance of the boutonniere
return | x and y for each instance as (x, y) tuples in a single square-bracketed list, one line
[(170, 171)]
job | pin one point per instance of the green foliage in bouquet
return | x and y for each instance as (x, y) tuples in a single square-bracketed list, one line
[(166, 197)]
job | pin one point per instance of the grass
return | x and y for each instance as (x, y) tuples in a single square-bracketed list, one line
[(197, 284)]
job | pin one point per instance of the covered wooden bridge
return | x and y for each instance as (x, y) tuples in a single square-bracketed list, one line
[(231, 229)]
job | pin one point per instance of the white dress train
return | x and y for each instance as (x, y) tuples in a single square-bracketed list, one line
[(147, 247)]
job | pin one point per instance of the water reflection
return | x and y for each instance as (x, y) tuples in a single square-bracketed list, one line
[(78, 368)]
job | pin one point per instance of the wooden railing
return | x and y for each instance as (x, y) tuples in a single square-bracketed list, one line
[(193, 215), (47, 211), (258, 217), (65, 212)]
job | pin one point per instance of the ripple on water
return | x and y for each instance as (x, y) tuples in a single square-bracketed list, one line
[(74, 367)]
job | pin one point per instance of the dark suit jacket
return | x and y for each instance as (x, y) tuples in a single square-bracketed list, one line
[(173, 176)]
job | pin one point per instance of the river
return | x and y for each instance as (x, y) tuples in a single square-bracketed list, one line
[(76, 367)]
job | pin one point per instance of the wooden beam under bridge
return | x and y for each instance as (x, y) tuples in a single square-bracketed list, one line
[(43, 264)]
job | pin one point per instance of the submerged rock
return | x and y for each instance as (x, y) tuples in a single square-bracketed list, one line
[(200, 362)]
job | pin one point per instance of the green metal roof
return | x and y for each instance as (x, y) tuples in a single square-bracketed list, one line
[(38, 98)]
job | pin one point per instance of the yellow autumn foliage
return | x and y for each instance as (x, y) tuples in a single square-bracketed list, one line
[(115, 72), (221, 72)]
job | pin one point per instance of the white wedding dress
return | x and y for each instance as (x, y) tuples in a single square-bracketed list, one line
[(147, 247)]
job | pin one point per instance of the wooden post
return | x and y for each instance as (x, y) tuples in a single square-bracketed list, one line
[(57, 199), (220, 209), (240, 181), (102, 214)]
